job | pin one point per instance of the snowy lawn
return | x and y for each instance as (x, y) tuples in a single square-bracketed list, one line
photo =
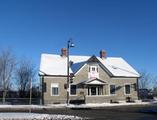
[(122, 103), (36, 116), (89, 105)]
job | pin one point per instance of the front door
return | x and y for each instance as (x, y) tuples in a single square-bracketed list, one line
[(93, 90)]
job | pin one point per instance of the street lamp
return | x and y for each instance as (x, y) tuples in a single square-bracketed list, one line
[(69, 45)]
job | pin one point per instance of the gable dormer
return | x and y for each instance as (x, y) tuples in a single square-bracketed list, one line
[(93, 71), (93, 67)]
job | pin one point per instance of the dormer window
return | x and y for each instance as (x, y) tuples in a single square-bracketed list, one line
[(93, 72), (93, 69)]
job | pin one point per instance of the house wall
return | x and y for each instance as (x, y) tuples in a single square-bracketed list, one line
[(82, 75), (47, 97), (120, 82)]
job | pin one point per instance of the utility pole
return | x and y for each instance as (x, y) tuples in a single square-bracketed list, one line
[(69, 45)]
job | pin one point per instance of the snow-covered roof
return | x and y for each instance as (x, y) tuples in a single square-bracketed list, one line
[(52, 64), (119, 67)]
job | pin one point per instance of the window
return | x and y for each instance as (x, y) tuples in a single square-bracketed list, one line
[(54, 89), (72, 89), (93, 69), (127, 89), (112, 89), (93, 72), (95, 90)]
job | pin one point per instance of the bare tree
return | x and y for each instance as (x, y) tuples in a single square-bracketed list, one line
[(36, 90), (25, 73), (7, 65), (155, 87), (147, 80)]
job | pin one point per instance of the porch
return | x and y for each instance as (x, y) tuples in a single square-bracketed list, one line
[(91, 91)]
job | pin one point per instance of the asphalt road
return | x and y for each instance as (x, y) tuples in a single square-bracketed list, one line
[(108, 113)]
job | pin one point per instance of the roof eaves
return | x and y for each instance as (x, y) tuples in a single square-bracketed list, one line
[(125, 77), (54, 75)]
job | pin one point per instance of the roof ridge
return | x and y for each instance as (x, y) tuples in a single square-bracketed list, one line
[(77, 55)]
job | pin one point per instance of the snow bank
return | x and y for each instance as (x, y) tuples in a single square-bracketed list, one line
[(88, 105), (122, 103), (34, 106), (36, 116)]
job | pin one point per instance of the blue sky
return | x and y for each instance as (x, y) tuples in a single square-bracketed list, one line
[(124, 28)]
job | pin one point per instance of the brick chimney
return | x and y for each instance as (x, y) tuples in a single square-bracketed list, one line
[(103, 54), (64, 52)]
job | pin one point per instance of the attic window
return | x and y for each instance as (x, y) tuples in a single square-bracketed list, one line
[(93, 69)]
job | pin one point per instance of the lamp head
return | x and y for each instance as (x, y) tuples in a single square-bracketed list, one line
[(72, 44)]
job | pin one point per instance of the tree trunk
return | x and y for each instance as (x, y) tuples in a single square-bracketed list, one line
[(4, 95)]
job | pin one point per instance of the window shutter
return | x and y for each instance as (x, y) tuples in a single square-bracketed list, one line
[(44, 87)]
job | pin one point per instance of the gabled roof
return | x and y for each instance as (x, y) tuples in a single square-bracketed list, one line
[(52, 64), (119, 67), (95, 81)]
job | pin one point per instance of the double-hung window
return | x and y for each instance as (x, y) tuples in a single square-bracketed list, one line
[(95, 90), (93, 69), (127, 89), (54, 89), (112, 89), (72, 89)]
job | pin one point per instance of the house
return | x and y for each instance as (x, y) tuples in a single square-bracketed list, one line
[(95, 79)]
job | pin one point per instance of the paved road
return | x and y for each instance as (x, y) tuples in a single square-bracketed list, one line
[(107, 113)]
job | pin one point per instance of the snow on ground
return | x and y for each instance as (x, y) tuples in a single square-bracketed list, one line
[(33, 106), (36, 116), (89, 105), (92, 105)]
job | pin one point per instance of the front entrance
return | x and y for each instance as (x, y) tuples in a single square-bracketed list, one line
[(95, 90)]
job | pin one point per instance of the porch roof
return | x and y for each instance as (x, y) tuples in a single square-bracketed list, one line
[(95, 81)]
